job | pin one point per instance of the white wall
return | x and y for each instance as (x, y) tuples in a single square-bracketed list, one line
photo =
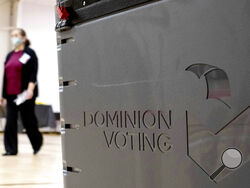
[(4, 34), (38, 19)]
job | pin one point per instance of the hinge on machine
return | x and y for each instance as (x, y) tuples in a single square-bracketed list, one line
[(63, 84), (67, 169), (65, 126)]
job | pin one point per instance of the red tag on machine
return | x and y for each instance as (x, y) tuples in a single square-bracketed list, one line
[(62, 13)]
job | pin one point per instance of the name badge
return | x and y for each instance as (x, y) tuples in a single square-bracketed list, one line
[(25, 58)]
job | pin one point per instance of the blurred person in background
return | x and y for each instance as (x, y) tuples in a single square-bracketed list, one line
[(20, 78)]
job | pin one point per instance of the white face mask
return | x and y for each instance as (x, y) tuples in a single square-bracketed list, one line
[(16, 41)]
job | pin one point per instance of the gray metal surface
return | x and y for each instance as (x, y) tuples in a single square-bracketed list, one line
[(146, 119)]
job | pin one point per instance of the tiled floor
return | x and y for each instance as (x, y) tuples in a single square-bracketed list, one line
[(29, 171)]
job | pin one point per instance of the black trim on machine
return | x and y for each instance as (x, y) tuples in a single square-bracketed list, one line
[(92, 9)]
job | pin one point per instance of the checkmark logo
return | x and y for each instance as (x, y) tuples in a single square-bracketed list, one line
[(222, 153), (218, 154)]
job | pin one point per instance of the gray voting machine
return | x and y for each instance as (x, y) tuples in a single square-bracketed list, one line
[(155, 94)]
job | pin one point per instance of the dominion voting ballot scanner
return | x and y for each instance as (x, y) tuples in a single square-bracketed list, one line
[(155, 94)]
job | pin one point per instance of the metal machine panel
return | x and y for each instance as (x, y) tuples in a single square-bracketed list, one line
[(158, 96)]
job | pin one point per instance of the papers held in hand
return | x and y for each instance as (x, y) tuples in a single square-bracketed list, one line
[(21, 98)]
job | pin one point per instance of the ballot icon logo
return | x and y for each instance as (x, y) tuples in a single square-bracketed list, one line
[(221, 153), (218, 86)]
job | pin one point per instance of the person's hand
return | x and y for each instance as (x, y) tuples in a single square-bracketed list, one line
[(2, 102), (30, 94)]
